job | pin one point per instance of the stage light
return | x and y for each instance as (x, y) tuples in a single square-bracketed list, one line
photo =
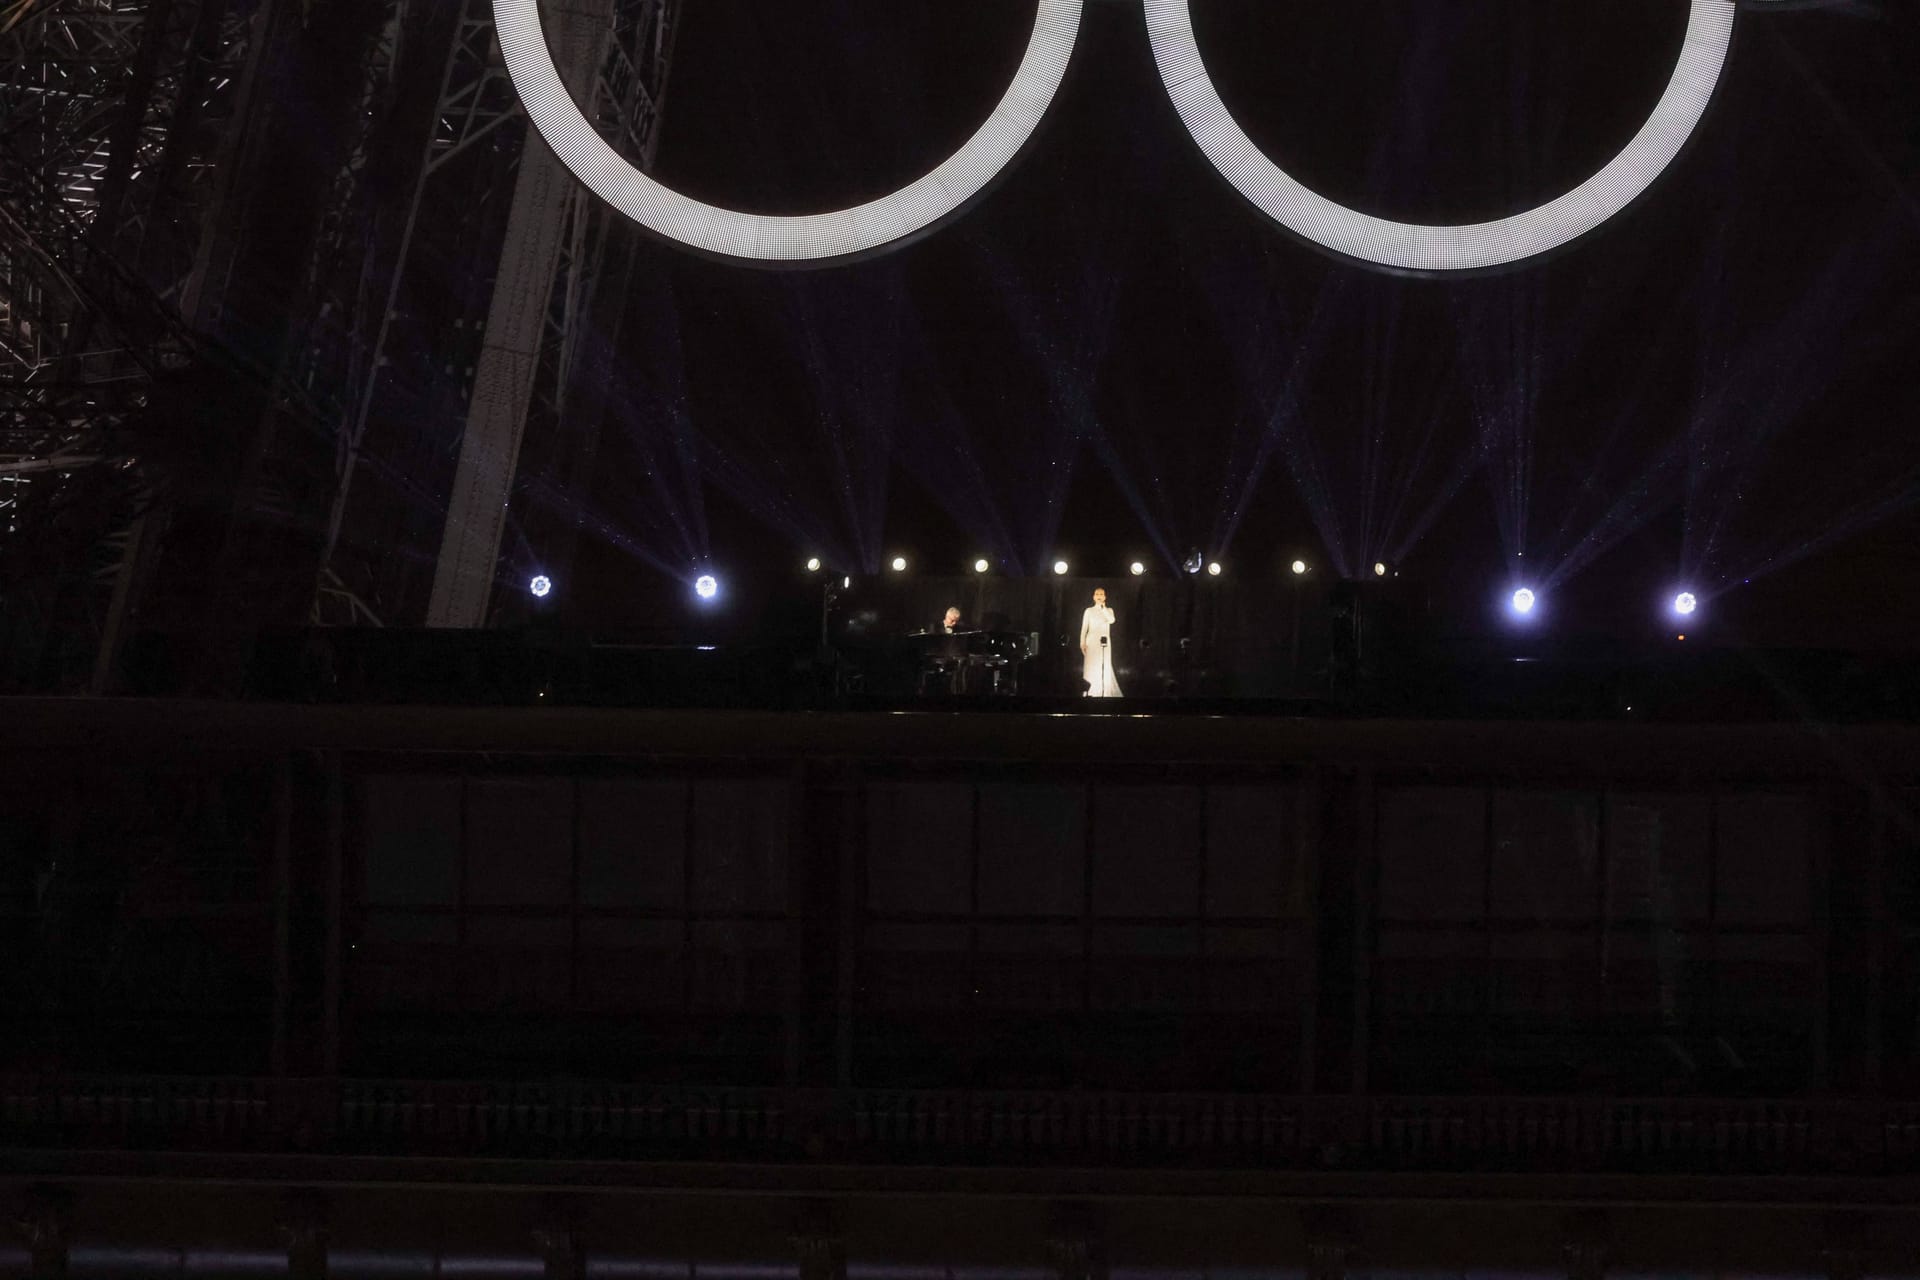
[(1703, 55), (1523, 600), (899, 564), (1136, 568), (731, 233), (706, 586), (981, 566), (1379, 569), (1060, 568), (540, 586), (1213, 568), (1299, 567), (1685, 603), (813, 565), (1193, 563)]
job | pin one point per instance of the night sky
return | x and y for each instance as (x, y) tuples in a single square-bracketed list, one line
[(1111, 355)]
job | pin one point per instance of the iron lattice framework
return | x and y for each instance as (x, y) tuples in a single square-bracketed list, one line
[(199, 363), (115, 116), (406, 356)]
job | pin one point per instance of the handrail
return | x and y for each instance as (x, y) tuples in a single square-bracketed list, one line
[(615, 1120)]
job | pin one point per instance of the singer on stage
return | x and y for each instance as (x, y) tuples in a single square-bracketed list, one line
[(1096, 648)]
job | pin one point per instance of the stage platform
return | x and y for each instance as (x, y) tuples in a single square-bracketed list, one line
[(1116, 736), (1485, 681)]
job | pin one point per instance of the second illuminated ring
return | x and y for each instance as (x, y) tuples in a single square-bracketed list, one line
[(1413, 247)]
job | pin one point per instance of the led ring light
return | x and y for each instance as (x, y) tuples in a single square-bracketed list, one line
[(764, 238), (1441, 248)]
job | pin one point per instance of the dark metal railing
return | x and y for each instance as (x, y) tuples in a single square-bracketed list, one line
[(633, 1121)]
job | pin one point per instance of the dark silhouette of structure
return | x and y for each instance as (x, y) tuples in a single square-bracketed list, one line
[(597, 992)]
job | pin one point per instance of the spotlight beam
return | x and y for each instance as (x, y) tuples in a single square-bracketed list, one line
[(1081, 322), (936, 446), (1753, 401), (1639, 502), (1276, 393), (659, 430), (1900, 496), (850, 348), (1641, 498), (741, 474), (595, 521), (1108, 454), (1397, 538)]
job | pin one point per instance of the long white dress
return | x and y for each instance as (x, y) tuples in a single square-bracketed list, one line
[(1096, 668)]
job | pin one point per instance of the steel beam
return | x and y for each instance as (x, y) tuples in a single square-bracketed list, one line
[(408, 417), (545, 197)]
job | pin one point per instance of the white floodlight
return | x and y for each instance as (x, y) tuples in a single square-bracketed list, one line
[(981, 565), (813, 564), (1060, 568), (1412, 247), (540, 586), (1379, 568), (706, 586), (1136, 568), (1299, 567), (1523, 601), (1213, 568), (1685, 603), (899, 564)]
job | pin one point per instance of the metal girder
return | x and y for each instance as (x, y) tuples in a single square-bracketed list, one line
[(108, 112), (479, 97), (375, 312), (409, 349), (132, 133), (110, 107), (107, 105), (544, 219), (572, 392)]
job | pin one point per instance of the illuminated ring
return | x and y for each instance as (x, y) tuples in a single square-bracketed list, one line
[(766, 238), (1413, 247)]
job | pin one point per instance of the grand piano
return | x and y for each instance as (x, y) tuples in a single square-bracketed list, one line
[(970, 662)]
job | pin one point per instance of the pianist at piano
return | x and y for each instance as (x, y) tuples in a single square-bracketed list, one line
[(954, 657)]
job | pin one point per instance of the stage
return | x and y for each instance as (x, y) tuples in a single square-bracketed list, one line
[(1563, 681)]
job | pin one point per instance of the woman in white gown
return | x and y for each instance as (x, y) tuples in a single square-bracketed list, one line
[(1096, 648)]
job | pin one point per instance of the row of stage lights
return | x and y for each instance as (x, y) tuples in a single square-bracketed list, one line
[(1522, 602), (1194, 565)]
